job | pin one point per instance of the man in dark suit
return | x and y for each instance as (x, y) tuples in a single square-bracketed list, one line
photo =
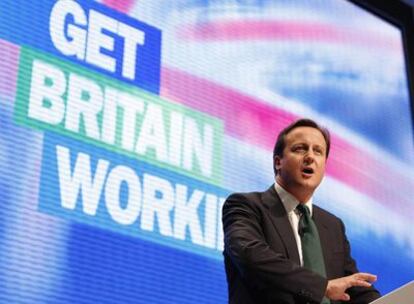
[(277, 254)]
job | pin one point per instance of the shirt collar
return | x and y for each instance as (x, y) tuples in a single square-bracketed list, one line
[(289, 201)]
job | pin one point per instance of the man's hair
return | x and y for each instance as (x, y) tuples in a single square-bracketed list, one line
[(304, 122)]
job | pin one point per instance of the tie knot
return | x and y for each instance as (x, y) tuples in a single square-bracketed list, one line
[(303, 209)]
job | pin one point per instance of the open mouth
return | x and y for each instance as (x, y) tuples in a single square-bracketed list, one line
[(307, 170)]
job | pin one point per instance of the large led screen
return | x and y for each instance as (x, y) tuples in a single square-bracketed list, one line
[(124, 125)]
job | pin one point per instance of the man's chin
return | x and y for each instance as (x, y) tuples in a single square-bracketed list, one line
[(310, 183)]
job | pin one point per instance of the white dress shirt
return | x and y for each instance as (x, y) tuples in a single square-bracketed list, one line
[(290, 203)]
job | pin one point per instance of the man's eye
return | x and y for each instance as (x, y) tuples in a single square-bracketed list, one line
[(320, 151), (299, 149)]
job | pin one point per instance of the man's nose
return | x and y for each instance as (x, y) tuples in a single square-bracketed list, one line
[(309, 157)]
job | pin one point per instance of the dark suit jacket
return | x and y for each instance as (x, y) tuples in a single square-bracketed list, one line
[(261, 256)]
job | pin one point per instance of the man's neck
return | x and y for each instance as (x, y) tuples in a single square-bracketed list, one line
[(302, 195)]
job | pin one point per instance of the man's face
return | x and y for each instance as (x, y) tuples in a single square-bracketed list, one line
[(302, 166)]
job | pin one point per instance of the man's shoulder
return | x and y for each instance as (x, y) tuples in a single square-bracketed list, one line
[(252, 199), (245, 195), (326, 216), (243, 198), (255, 196)]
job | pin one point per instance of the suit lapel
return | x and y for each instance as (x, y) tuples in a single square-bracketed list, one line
[(323, 236), (281, 222)]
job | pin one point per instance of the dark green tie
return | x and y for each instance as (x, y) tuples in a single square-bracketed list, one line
[(311, 245)]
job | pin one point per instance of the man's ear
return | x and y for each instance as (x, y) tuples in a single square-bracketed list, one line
[(276, 163)]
